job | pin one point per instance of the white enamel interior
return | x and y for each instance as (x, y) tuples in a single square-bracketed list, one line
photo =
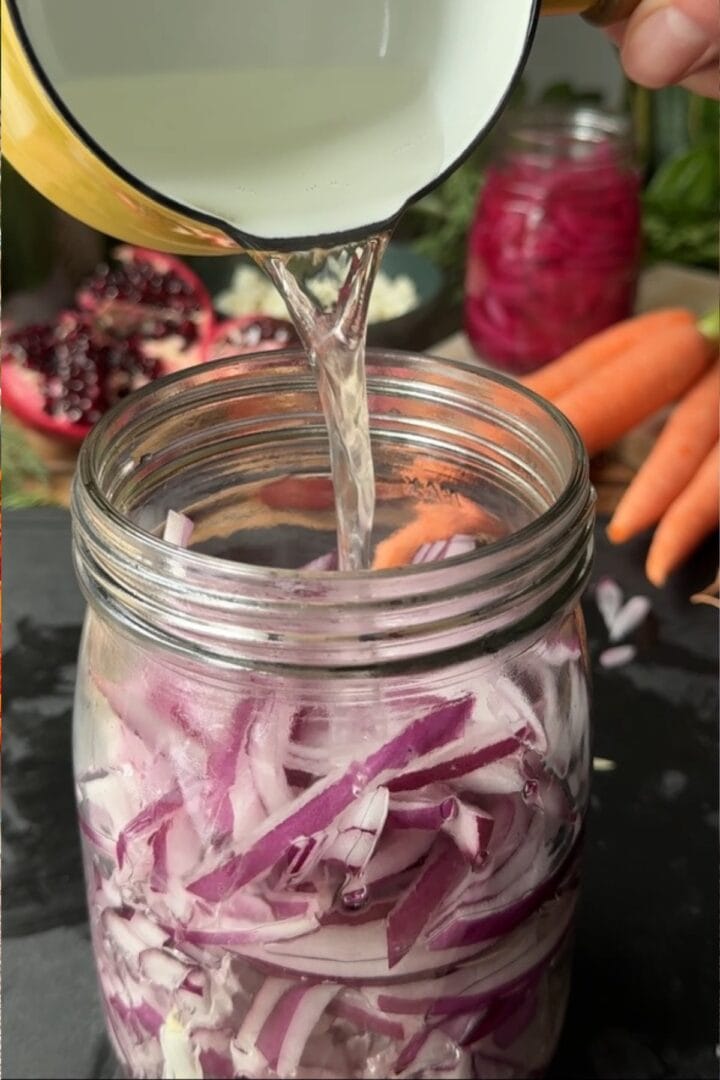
[(284, 118)]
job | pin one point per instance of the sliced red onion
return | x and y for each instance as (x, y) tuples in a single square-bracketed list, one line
[(471, 831), (146, 1016), (163, 969), (266, 742), (396, 853), (499, 915), (432, 552), (146, 931), (326, 562), (452, 762), (356, 841), (630, 616), (94, 836), (444, 549), (314, 811), (560, 652), (430, 1051), (304, 855), (506, 967), (229, 938), (519, 1014), (148, 818), (358, 831), (617, 656), (122, 937), (353, 1006), (246, 1055), (508, 702), (283, 904), (178, 529), (416, 906), (517, 867), (218, 1066), (284, 1034), (503, 777), (301, 897), (609, 598), (421, 814), (158, 844)]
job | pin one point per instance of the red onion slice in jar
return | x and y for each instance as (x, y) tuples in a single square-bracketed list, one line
[(315, 811), (178, 529), (426, 854)]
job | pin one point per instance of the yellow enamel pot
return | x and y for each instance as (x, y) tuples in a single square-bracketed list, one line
[(203, 128), (44, 148), (229, 125)]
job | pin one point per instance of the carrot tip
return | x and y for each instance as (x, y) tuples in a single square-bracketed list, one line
[(656, 578), (614, 534)]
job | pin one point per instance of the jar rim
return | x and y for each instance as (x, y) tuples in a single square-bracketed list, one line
[(527, 129), (115, 543), (88, 471)]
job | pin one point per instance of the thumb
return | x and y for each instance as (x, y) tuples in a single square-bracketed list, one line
[(666, 39)]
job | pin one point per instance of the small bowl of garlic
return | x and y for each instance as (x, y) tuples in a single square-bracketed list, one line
[(406, 292)]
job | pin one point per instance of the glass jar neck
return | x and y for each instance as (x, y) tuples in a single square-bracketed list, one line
[(548, 135), (194, 438)]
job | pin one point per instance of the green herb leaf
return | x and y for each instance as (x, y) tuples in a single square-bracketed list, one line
[(21, 466)]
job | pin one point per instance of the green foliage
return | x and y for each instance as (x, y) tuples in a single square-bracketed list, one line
[(21, 466), (438, 224), (677, 134), (678, 220), (563, 93)]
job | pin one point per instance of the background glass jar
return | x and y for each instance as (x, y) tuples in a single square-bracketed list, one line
[(554, 249), (331, 822)]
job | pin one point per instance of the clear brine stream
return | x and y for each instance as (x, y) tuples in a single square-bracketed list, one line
[(334, 336)]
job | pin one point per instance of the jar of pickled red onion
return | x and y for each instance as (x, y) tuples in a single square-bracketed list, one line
[(554, 250), (331, 822)]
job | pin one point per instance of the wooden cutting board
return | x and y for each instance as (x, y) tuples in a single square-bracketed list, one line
[(662, 286)]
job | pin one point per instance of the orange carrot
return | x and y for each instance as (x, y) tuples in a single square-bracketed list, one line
[(635, 385), (432, 522), (692, 517), (588, 357), (687, 438)]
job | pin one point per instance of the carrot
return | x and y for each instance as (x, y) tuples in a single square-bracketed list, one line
[(432, 522), (692, 517), (588, 357), (635, 385), (687, 438)]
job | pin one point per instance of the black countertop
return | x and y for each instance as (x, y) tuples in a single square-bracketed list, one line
[(644, 1002)]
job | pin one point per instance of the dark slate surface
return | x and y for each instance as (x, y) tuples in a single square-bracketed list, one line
[(645, 999)]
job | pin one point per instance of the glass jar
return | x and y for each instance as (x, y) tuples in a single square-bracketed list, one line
[(331, 822), (554, 250)]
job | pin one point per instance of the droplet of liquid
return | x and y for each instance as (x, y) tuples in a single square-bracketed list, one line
[(530, 790), (355, 898)]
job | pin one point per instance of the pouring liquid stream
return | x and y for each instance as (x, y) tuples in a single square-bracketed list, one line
[(334, 338)]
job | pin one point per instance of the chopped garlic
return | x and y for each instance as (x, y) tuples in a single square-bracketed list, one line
[(181, 1059), (251, 293)]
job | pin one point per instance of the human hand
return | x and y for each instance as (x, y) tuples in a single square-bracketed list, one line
[(670, 42)]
